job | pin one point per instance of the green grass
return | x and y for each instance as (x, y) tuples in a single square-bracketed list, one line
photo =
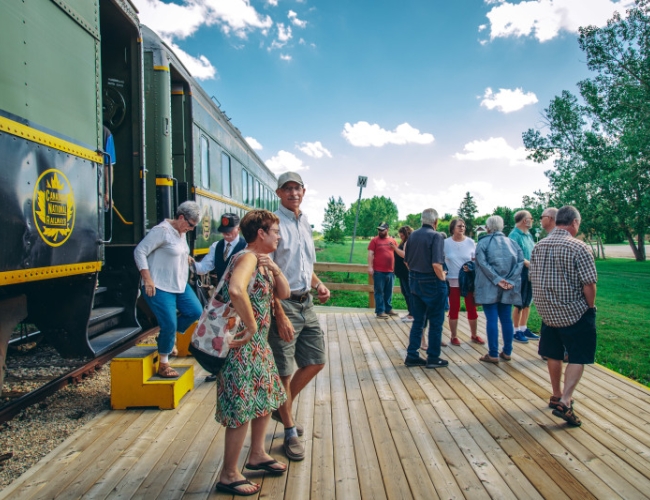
[(623, 306)]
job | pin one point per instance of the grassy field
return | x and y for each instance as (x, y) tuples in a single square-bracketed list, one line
[(623, 312)]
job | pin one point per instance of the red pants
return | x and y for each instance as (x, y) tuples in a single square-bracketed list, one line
[(454, 304)]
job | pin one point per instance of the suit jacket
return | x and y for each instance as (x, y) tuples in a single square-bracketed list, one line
[(214, 260)]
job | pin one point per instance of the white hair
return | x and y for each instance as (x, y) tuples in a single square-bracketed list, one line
[(494, 223), (429, 216)]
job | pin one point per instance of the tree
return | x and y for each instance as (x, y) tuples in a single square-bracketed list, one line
[(334, 221), (600, 146), (467, 211), (372, 212), (414, 220)]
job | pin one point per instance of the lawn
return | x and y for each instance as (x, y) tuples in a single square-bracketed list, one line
[(623, 312)]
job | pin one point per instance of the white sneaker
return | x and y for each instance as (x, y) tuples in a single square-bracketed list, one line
[(407, 319)]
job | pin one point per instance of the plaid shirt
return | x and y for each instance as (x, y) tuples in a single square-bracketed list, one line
[(560, 266)]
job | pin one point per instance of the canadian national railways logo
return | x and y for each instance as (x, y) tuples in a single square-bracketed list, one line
[(53, 207)]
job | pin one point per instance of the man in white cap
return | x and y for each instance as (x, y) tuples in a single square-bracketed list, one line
[(295, 333)]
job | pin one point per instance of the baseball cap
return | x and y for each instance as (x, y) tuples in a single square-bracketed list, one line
[(229, 221), (382, 227), (289, 177)]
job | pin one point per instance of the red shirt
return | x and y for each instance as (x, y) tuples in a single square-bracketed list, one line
[(384, 260)]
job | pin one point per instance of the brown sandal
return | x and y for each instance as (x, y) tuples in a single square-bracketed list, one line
[(567, 413), (486, 358), (554, 402), (166, 371), (504, 356)]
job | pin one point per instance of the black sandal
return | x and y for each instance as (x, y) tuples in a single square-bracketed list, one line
[(567, 413), (232, 488)]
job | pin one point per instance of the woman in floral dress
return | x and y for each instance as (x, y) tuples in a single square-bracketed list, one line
[(248, 386)]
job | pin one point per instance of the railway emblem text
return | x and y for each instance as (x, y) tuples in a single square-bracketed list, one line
[(53, 206)]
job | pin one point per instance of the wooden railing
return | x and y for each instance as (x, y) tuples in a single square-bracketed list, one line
[(336, 267)]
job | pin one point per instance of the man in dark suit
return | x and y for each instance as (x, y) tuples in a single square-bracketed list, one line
[(221, 252)]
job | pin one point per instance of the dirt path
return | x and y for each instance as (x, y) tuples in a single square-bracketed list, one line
[(618, 252)]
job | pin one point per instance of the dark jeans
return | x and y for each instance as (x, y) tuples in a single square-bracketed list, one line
[(383, 291), (428, 299), (406, 291), (495, 314)]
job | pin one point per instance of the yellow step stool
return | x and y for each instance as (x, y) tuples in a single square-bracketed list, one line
[(135, 381), (183, 341)]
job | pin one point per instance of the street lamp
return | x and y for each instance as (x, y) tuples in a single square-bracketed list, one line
[(361, 182)]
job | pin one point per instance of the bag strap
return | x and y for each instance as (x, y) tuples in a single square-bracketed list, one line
[(228, 270)]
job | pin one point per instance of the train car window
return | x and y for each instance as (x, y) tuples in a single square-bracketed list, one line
[(205, 162), (251, 196), (225, 175), (244, 185), (257, 194)]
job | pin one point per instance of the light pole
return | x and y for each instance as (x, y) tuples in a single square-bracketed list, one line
[(361, 182)]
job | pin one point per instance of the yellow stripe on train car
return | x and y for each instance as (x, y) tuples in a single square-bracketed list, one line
[(46, 273), (24, 131)]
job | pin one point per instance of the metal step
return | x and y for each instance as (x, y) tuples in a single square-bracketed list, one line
[(107, 340), (100, 296), (103, 319)]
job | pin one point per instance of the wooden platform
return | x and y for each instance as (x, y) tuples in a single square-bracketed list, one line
[(376, 429)]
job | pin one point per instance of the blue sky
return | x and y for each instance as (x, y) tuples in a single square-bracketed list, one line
[(426, 98)]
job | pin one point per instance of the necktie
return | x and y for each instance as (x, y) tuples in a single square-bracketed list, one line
[(226, 251)]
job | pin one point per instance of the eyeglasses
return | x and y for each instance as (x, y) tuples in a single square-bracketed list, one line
[(460, 225), (269, 230), (192, 226)]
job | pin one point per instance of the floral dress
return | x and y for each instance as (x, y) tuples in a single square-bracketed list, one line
[(248, 385)]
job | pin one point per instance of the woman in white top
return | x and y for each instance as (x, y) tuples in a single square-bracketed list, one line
[(458, 250), (163, 259)]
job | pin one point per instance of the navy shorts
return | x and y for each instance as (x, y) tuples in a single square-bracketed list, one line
[(578, 339), (526, 290)]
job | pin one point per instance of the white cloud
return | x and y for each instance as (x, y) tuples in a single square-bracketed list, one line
[(180, 21), (544, 19), (285, 57), (272, 3), (254, 143), (506, 100), (380, 184), (284, 33), (486, 195), (199, 67), (293, 17), (494, 148), (363, 134), (314, 149), (284, 162)]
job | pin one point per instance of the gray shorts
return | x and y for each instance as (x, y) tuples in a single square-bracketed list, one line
[(308, 344)]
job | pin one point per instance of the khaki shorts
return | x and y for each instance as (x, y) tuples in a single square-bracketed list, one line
[(308, 344)]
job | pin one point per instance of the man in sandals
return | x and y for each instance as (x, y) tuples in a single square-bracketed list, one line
[(295, 332), (563, 276)]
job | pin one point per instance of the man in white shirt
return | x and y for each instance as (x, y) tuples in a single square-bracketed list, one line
[(295, 333)]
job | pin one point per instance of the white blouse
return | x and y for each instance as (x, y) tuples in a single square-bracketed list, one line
[(456, 254), (164, 251)]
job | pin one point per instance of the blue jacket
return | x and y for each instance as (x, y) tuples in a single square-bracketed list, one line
[(466, 278), (498, 258)]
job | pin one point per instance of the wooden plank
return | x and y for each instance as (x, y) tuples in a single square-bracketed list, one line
[(375, 392), (345, 467), (427, 424), (58, 459), (57, 484), (356, 287), (590, 453), (322, 481), (368, 470), (339, 267)]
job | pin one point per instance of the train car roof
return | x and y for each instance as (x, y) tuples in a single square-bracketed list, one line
[(151, 40)]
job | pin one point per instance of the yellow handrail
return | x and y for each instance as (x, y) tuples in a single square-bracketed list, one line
[(124, 221)]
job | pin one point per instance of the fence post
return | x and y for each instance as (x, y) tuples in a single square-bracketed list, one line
[(371, 294)]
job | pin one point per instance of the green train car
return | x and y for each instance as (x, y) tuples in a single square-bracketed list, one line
[(70, 68)]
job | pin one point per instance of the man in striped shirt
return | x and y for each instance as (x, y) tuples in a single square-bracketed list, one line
[(563, 276)]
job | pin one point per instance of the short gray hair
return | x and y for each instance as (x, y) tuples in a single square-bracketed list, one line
[(521, 215), (429, 216), (190, 210), (494, 223), (550, 212), (566, 215)]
